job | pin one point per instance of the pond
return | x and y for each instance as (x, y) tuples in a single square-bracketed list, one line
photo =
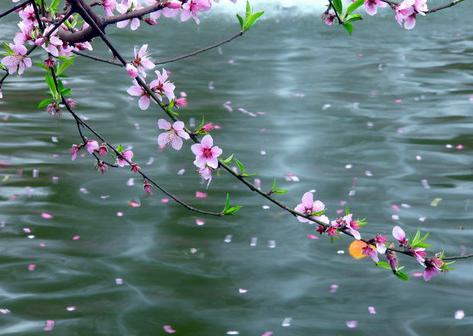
[(380, 122)]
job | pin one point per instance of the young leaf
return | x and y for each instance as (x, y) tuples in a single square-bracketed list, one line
[(383, 264), (353, 18), (338, 6), (276, 190), (241, 166), (248, 9), (45, 102), (348, 27), (232, 210), (66, 62), (229, 209), (240, 19), (228, 159), (402, 275), (354, 6), (252, 20)]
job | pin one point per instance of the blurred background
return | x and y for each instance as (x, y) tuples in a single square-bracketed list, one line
[(381, 120)]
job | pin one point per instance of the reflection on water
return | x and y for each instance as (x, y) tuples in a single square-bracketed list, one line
[(376, 116)]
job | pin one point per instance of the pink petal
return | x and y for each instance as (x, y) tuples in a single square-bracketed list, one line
[(168, 329), (196, 149), (207, 141), (176, 143), (164, 124), (144, 102), (49, 325), (46, 215), (399, 233), (308, 200)]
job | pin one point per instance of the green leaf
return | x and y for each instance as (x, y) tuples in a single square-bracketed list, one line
[(354, 6), (383, 264), (318, 213), (240, 19), (66, 91), (353, 18), (66, 62), (402, 275), (45, 102), (7, 48), (228, 159), (232, 210), (348, 27), (120, 149), (54, 6), (240, 165), (248, 9), (276, 190), (41, 65), (338, 6), (251, 20), (415, 240), (229, 209)]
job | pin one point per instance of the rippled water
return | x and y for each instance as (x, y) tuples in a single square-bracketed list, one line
[(364, 119)]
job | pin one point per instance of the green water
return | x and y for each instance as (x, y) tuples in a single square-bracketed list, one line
[(348, 116)]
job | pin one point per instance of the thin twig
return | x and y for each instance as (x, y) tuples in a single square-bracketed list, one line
[(95, 58), (198, 51)]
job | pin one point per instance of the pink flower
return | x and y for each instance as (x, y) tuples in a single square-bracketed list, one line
[(74, 151), (162, 86), (137, 91), (371, 6), (400, 236), (18, 61), (103, 150), (380, 243), (370, 251), (147, 187), (124, 157), (206, 173), (206, 153), (142, 62), (392, 260), (328, 18), (109, 6), (132, 70), (418, 253), (332, 231), (102, 167), (351, 225), (173, 135), (208, 127), (25, 34), (181, 102), (53, 43), (192, 7), (28, 15), (308, 206), (124, 7), (407, 10), (91, 146), (135, 168), (432, 268)]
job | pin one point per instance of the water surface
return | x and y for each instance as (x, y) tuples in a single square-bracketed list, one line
[(367, 119)]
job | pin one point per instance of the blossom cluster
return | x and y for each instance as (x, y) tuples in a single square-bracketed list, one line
[(405, 12), (312, 211), (184, 10)]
